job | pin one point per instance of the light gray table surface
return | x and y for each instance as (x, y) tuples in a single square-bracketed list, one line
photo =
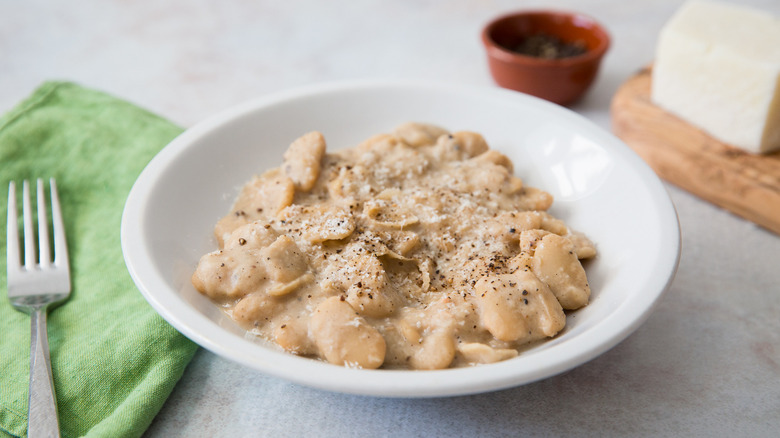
[(706, 362)]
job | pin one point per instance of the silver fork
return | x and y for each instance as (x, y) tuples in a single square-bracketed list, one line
[(33, 286)]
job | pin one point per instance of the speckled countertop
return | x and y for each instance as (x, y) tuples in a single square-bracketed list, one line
[(706, 362)]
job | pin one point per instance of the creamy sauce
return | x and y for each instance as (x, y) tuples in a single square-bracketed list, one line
[(418, 249)]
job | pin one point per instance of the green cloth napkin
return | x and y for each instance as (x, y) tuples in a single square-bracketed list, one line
[(114, 359)]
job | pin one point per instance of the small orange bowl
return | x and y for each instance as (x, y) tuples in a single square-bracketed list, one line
[(560, 80)]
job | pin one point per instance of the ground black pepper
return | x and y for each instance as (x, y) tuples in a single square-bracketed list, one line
[(548, 47)]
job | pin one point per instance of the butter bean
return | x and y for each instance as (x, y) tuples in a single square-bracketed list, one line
[(471, 143), (302, 160), (283, 259), (343, 337), (518, 307), (555, 262), (436, 351), (419, 134), (229, 274), (477, 353)]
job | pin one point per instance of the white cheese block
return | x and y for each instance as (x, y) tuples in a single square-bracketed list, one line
[(718, 67)]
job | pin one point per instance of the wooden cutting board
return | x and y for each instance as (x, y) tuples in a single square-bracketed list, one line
[(743, 183)]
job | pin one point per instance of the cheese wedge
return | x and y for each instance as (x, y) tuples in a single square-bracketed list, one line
[(718, 67)]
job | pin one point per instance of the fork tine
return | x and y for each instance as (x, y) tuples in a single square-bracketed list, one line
[(43, 227), (30, 257), (12, 229), (60, 244)]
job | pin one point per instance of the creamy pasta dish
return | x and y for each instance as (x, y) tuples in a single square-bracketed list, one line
[(418, 249)]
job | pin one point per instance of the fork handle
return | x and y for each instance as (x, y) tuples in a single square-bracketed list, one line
[(42, 411)]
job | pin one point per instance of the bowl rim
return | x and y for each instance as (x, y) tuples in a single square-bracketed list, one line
[(497, 51), (459, 381)]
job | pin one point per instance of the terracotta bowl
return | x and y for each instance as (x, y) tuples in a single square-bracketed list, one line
[(562, 80)]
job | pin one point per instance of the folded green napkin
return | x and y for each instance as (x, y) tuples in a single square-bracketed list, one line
[(114, 360)]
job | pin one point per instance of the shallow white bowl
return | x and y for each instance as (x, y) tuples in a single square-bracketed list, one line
[(600, 186)]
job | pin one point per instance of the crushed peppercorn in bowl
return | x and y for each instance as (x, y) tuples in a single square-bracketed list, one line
[(553, 55), (600, 187)]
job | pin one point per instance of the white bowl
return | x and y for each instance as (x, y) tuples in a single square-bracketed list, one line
[(600, 186)]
